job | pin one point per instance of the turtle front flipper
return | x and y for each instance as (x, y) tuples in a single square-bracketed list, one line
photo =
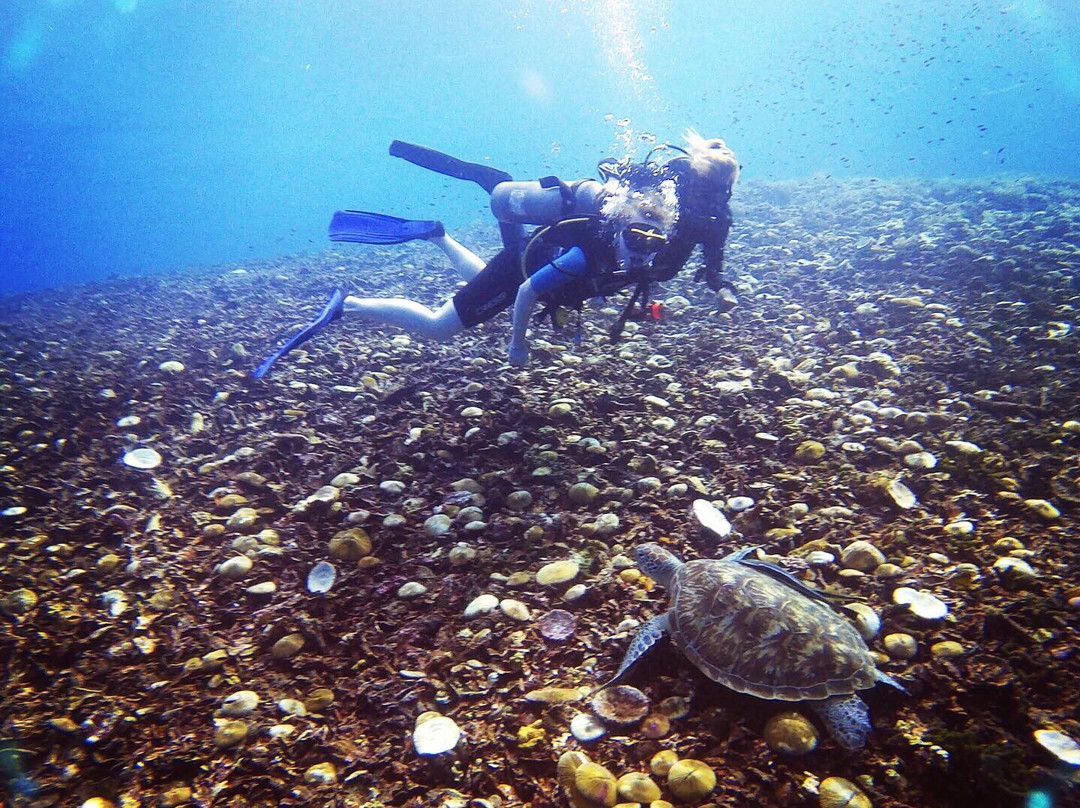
[(847, 719), (647, 636)]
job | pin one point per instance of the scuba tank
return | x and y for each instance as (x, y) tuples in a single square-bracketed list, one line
[(545, 201)]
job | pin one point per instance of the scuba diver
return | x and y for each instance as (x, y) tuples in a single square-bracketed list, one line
[(639, 225)]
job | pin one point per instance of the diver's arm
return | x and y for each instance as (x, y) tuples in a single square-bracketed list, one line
[(524, 304), (713, 248), (562, 270), (712, 245)]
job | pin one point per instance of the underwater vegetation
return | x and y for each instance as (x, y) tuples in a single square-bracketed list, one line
[(396, 572)]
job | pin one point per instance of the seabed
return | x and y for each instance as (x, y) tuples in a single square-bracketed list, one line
[(902, 370)]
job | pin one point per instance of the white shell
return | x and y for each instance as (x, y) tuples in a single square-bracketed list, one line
[(437, 525), (737, 504), (235, 568), (711, 518), (115, 601), (515, 609), (920, 460), (435, 734), (242, 702), (866, 620), (922, 604), (481, 604), (586, 727), (1059, 745), (1015, 568), (819, 558), (321, 578), (607, 523), (964, 447), (292, 707), (903, 496), (142, 459)]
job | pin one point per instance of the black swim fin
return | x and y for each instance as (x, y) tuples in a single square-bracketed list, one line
[(330, 312), (484, 176), (363, 227)]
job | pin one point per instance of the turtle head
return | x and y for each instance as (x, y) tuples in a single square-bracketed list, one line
[(657, 563)]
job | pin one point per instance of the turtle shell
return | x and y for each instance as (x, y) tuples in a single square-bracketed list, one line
[(753, 633)]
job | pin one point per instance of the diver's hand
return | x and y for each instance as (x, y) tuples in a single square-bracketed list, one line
[(519, 355)]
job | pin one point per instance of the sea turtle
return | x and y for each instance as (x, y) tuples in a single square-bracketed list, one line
[(758, 630)]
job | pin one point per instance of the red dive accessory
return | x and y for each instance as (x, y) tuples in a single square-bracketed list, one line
[(656, 309)]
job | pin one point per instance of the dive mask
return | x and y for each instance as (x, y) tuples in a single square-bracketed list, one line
[(643, 238)]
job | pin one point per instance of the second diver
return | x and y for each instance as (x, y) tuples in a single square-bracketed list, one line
[(638, 225)]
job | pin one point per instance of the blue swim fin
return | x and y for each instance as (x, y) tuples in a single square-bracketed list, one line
[(330, 312), (363, 227)]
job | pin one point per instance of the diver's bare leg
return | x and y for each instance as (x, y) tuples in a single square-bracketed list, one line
[(467, 263), (441, 324)]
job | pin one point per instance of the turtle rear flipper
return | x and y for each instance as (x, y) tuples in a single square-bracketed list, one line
[(647, 636), (847, 719)]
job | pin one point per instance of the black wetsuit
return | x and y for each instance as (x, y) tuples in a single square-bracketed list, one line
[(495, 287)]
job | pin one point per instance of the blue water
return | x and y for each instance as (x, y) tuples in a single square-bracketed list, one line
[(145, 136)]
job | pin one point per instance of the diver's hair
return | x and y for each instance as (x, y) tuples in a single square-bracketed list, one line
[(712, 160)]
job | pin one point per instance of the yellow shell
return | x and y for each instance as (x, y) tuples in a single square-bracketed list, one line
[(596, 784), (319, 699), (230, 733), (350, 545), (655, 725), (568, 764), (836, 792), (790, 733), (637, 787), (287, 646), (175, 796), (662, 762), (691, 779), (810, 451)]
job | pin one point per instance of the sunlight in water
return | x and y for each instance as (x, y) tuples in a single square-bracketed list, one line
[(1045, 20), (621, 28), (618, 25), (24, 47)]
